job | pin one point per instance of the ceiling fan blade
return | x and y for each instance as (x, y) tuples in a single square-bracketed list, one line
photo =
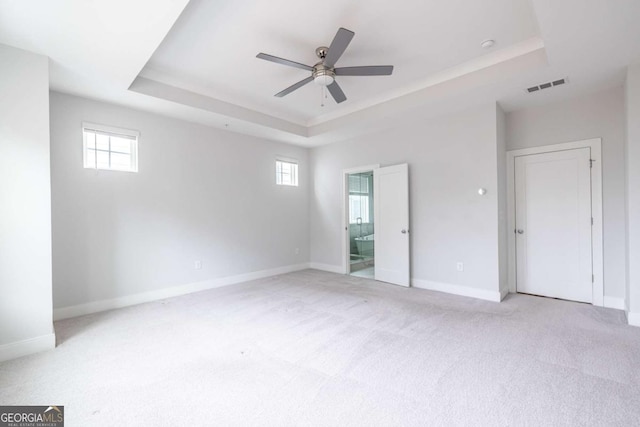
[(282, 61), (338, 45), (336, 92), (369, 70), (294, 87)]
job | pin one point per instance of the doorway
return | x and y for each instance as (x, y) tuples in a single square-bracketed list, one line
[(361, 225), (376, 243), (556, 221)]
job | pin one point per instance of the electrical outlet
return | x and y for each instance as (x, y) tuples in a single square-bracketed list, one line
[(460, 266), (197, 265)]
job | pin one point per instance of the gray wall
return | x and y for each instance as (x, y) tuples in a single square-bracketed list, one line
[(449, 159), (632, 107), (200, 194), (503, 245), (599, 115), (25, 201)]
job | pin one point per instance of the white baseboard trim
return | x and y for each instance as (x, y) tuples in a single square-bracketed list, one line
[(174, 291), (614, 302), (26, 347), (326, 267), (465, 291), (633, 319)]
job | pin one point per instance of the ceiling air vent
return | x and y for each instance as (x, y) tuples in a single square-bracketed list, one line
[(547, 85)]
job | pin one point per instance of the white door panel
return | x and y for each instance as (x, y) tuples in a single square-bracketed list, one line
[(391, 206), (553, 224)]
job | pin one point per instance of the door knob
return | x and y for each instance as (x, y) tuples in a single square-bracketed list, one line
[(520, 231), (403, 231)]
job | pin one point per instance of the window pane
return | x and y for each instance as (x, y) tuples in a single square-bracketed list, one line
[(102, 142), (120, 161), (358, 209), (103, 160), (91, 139), (358, 184), (109, 150), (121, 145), (364, 184), (90, 159), (364, 208), (354, 210), (286, 173)]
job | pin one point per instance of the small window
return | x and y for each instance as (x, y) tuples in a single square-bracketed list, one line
[(358, 209), (286, 173), (110, 148)]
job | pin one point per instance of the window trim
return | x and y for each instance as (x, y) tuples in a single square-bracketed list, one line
[(111, 131)]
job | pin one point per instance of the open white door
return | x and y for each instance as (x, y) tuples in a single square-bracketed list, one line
[(391, 213)]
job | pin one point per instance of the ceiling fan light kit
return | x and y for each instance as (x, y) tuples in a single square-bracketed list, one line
[(323, 75), (324, 72)]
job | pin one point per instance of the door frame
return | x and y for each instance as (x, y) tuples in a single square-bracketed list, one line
[(595, 144), (345, 212)]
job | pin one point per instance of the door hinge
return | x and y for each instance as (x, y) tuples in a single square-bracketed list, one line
[(591, 220), (593, 278), (591, 163)]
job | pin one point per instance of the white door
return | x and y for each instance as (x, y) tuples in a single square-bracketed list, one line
[(553, 224), (391, 216)]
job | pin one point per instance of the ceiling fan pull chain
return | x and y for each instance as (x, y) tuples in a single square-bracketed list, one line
[(322, 89)]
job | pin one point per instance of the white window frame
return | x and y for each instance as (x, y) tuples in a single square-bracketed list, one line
[(133, 135), (295, 173)]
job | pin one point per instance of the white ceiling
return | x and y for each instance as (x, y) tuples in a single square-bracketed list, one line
[(196, 60), (212, 47)]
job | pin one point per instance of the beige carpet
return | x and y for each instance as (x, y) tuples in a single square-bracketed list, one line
[(320, 349)]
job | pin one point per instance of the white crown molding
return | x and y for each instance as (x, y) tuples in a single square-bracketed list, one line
[(485, 61), (254, 120)]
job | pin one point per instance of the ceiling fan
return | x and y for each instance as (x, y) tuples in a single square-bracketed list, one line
[(324, 72)]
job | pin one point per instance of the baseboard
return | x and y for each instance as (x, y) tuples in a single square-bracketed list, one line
[(614, 302), (26, 347), (160, 294), (326, 267), (503, 293), (633, 319), (465, 291)]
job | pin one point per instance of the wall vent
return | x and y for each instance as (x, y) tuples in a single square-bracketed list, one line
[(547, 85)]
